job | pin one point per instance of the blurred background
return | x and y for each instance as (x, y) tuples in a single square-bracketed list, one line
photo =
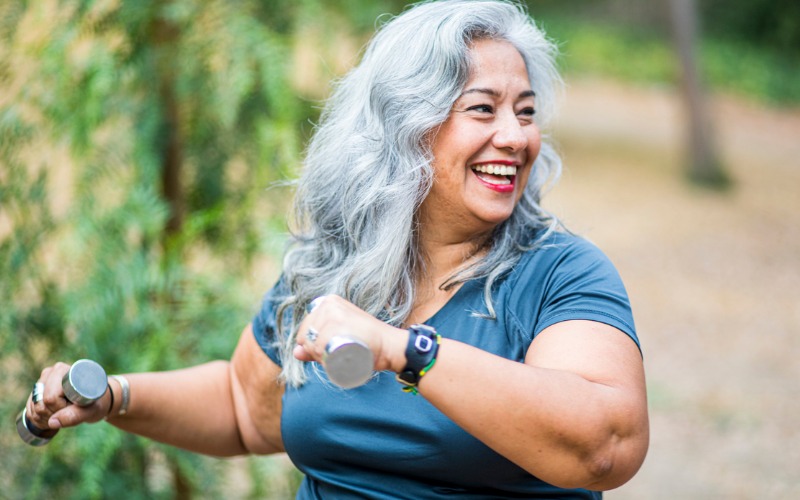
[(142, 145)]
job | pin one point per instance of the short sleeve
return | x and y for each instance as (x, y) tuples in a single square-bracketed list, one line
[(265, 327), (572, 279)]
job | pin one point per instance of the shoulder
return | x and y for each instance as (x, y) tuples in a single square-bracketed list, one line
[(265, 322), (566, 277), (564, 253)]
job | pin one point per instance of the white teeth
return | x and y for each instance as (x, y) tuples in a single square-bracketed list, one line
[(495, 169), (501, 181)]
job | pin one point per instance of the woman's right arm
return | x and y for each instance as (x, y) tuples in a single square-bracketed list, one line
[(219, 408)]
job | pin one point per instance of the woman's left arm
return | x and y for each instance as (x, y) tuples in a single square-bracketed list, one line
[(574, 414)]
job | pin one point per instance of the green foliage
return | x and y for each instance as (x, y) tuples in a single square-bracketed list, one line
[(751, 71), (94, 93), (99, 102), (99, 98), (751, 48), (774, 24), (597, 48), (646, 56)]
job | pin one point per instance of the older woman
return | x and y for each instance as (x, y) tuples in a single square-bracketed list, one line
[(420, 235)]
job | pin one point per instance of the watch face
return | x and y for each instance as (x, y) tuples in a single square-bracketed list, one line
[(423, 344)]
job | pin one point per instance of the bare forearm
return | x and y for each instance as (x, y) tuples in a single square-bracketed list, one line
[(190, 408), (557, 425)]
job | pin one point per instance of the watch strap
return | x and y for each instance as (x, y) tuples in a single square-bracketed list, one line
[(421, 351)]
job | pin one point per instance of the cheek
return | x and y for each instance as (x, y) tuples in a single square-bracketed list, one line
[(522, 182), (451, 156), (534, 143)]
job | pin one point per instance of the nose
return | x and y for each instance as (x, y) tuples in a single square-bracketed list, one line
[(509, 134)]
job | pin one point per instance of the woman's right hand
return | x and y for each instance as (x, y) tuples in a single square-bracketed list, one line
[(332, 315), (54, 411)]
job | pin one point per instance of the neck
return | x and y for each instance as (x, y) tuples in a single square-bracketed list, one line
[(443, 256)]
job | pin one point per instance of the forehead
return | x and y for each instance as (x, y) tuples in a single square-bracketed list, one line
[(497, 61)]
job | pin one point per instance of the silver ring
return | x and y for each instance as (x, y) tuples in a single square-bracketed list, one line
[(312, 334), (37, 395), (314, 303)]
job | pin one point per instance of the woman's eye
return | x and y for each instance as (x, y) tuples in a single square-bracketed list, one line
[(527, 112), (481, 108)]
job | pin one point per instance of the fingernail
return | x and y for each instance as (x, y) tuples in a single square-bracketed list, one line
[(53, 423)]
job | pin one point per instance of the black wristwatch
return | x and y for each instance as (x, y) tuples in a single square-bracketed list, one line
[(421, 351)]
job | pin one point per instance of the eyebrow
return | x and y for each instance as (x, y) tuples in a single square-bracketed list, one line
[(494, 93)]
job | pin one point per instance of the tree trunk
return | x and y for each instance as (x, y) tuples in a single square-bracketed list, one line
[(704, 166), (165, 36)]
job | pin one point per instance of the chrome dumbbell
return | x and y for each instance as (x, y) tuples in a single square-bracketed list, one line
[(348, 361), (84, 383)]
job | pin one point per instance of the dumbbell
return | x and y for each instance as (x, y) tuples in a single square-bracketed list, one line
[(84, 383), (348, 361)]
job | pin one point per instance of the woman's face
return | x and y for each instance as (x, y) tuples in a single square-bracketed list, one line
[(483, 152)]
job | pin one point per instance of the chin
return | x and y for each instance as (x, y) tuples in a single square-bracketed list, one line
[(495, 218)]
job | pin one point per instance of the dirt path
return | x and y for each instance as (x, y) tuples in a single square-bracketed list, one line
[(714, 279)]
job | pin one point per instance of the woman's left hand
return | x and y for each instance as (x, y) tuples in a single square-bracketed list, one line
[(331, 315)]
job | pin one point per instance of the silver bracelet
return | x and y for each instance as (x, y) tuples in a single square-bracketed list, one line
[(126, 393)]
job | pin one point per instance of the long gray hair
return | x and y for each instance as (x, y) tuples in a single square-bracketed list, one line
[(369, 166)]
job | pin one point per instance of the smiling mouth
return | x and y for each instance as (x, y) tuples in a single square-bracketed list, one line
[(496, 175)]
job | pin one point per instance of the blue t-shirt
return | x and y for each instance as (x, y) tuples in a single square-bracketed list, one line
[(376, 441)]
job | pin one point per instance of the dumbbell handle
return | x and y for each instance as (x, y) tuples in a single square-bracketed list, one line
[(84, 383)]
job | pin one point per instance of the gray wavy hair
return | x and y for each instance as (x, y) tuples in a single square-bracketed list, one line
[(369, 166)]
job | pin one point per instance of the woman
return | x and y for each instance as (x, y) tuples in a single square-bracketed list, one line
[(419, 204)]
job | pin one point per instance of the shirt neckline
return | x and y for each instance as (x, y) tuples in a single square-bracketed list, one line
[(449, 307)]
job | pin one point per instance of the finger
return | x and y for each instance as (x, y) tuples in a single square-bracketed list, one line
[(310, 348), (73, 415), (35, 399), (37, 392), (36, 410), (314, 304), (53, 396), (311, 335), (302, 354), (308, 336), (37, 413)]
